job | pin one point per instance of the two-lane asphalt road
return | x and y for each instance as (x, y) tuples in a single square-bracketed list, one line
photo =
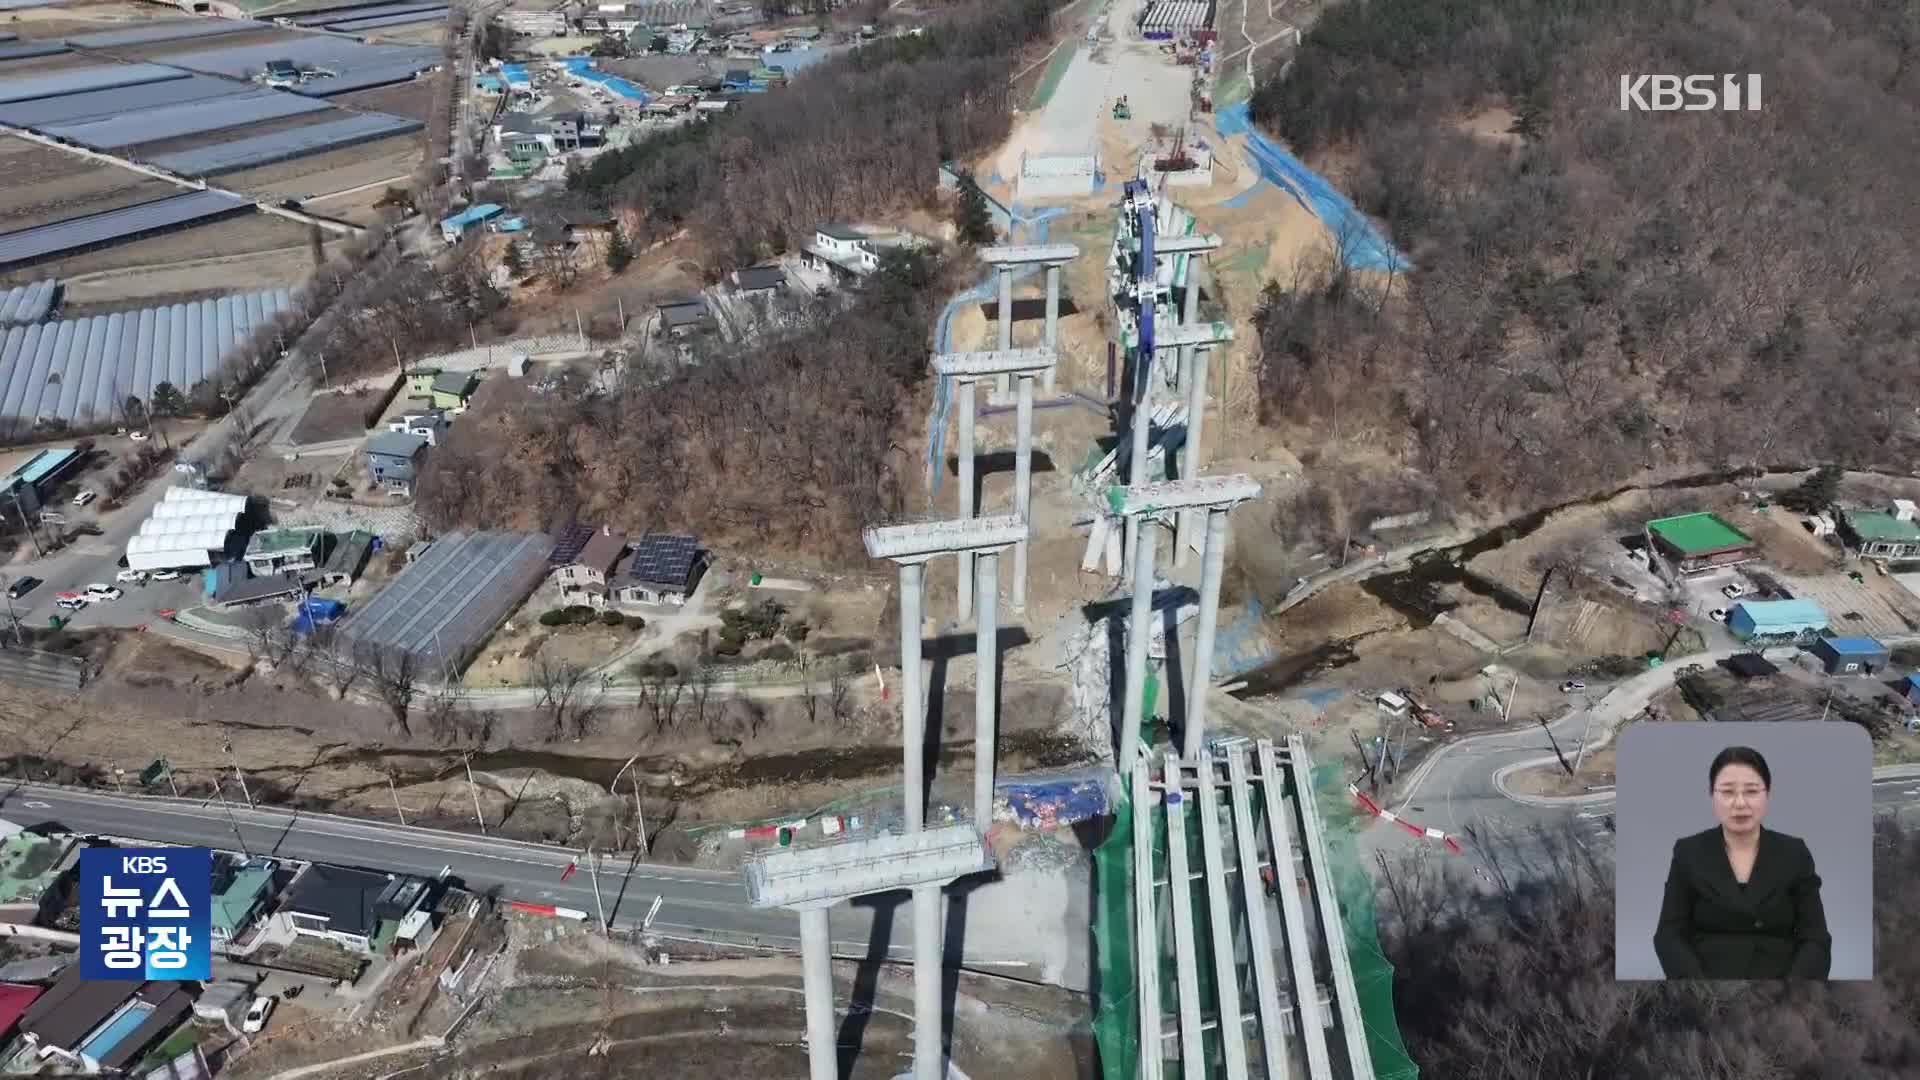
[(704, 904)]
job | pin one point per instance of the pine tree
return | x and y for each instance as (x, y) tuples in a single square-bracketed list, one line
[(971, 217), (516, 266), (618, 253)]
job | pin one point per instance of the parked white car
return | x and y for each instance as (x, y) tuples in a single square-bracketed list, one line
[(71, 603), (139, 436), (257, 1014), (84, 497), (1718, 614), (166, 575), (131, 577), (97, 592), (1734, 591)]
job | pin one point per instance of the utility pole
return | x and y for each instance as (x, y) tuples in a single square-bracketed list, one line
[(170, 784), (242, 776), (593, 871), (38, 551), (1581, 754), (1506, 707), (467, 760), (221, 790), (395, 792)]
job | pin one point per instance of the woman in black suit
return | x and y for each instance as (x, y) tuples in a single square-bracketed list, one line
[(1742, 901)]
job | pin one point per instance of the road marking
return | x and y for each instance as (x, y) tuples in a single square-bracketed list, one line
[(37, 805)]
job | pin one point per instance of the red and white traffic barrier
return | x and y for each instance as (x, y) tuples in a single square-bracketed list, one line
[(1379, 811), (548, 909)]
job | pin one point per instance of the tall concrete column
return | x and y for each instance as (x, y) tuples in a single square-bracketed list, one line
[(913, 712), (986, 658), (1022, 485), (1189, 520), (1189, 311), (965, 451), (1004, 383), (816, 975), (1200, 672), (1139, 627), (1053, 316), (928, 1061), (1137, 458)]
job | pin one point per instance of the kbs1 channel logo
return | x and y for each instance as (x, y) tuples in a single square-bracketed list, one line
[(146, 913), (1689, 93)]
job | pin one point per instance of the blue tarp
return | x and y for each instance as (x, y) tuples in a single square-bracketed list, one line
[(516, 75), (1365, 248), (1055, 803), (613, 84)]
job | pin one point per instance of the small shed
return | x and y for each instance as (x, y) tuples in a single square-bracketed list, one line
[(1851, 655), (1910, 689), (1776, 619)]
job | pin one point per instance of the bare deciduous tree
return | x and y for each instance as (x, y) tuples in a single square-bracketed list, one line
[(571, 695)]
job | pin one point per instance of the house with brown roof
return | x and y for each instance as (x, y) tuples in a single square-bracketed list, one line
[(102, 1024), (583, 565)]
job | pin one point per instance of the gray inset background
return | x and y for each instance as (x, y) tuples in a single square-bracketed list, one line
[(1822, 793)]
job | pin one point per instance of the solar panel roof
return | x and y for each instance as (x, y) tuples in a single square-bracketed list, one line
[(666, 558), (54, 238), (185, 118), (404, 18), (276, 146), (74, 80), (169, 30), (27, 50), (365, 11), (113, 101), (567, 542)]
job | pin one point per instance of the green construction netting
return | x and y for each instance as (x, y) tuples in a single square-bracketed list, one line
[(1116, 1023), (1342, 822)]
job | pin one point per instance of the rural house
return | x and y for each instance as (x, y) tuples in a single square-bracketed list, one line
[(1776, 620), (680, 318), (664, 568), (1883, 534), (582, 570), (1851, 655), (347, 906), (280, 551), (765, 280), (454, 227), (842, 252), (431, 426), (393, 460), (452, 390)]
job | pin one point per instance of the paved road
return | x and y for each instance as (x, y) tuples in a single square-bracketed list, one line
[(698, 903), (1461, 784)]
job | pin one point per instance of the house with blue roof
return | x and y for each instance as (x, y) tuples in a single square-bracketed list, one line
[(1776, 620), (455, 227), (1851, 655)]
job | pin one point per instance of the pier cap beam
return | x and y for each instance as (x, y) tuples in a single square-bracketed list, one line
[(974, 365), (1021, 254), (1208, 492), (1183, 245), (791, 877), (1174, 337), (918, 543)]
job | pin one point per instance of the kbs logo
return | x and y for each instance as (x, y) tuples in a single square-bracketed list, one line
[(145, 913), (1690, 93)]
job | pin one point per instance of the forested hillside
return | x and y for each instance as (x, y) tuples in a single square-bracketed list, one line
[(1598, 290), (787, 442), (1519, 985)]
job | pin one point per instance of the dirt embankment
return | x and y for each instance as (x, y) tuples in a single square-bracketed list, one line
[(730, 760)]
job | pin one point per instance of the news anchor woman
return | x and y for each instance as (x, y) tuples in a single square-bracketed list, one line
[(1742, 901)]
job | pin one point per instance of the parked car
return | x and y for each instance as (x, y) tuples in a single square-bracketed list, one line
[(22, 586), (139, 436), (1572, 685), (1734, 591), (257, 1014), (70, 602), (166, 575), (131, 577), (84, 497), (97, 592), (1718, 614)]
